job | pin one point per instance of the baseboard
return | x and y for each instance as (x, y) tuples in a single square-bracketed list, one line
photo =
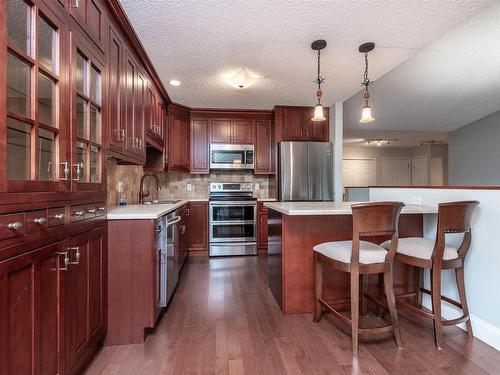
[(483, 330)]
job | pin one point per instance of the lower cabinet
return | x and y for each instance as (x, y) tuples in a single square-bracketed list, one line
[(52, 306), (85, 297), (262, 215), (198, 228)]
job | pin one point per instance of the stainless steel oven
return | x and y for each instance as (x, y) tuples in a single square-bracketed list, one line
[(223, 156), (232, 219)]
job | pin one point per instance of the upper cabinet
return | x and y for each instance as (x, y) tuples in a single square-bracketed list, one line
[(294, 124), (178, 139), (36, 128), (87, 96), (263, 147), (91, 16), (231, 131), (199, 146)]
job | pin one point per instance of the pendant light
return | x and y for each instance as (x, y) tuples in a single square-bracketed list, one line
[(366, 114), (319, 115)]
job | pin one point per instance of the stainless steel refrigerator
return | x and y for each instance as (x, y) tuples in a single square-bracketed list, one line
[(306, 171)]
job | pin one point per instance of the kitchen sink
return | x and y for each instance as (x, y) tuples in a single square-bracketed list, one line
[(157, 201)]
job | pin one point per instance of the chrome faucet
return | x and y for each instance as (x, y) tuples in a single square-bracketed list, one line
[(143, 194)]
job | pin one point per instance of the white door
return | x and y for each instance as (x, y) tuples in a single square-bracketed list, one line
[(396, 171), (359, 172), (419, 175)]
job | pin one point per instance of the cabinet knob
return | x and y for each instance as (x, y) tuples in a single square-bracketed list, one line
[(15, 226), (40, 220), (59, 216), (79, 213), (91, 211)]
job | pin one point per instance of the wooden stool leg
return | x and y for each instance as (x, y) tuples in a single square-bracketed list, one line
[(391, 303), (381, 310), (363, 282), (318, 287), (436, 304), (418, 281), (354, 311), (459, 274)]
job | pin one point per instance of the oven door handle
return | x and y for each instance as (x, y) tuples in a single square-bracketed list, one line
[(218, 204), (173, 221)]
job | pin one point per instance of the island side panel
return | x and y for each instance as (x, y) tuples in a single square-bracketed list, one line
[(274, 255), (301, 233)]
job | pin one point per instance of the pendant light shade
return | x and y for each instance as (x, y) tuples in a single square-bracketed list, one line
[(319, 115), (366, 114)]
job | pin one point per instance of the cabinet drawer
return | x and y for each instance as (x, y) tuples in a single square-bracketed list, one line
[(100, 209), (11, 225), (77, 213), (36, 220), (56, 216)]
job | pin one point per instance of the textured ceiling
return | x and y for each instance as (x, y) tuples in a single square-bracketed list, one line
[(198, 41), (451, 83)]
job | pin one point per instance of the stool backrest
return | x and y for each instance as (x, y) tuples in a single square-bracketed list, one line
[(454, 217), (375, 219)]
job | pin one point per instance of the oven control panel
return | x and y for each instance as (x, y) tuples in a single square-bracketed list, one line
[(230, 186)]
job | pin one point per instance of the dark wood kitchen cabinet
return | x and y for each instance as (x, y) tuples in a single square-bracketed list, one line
[(116, 134), (30, 312), (91, 16), (294, 124), (198, 228), (262, 230), (263, 147), (199, 147), (231, 131), (85, 293), (178, 139)]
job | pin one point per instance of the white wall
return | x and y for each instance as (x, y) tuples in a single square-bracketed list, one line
[(482, 264)]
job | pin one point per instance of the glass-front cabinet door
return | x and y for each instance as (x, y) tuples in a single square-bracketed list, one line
[(87, 96), (36, 122)]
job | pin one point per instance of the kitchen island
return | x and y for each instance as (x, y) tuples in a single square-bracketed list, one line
[(295, 227)]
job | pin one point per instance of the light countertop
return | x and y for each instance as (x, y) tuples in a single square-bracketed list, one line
[(266, 199), (143, 211), (336, 208)]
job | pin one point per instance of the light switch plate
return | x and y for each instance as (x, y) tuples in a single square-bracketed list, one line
[(416, 200), (189, 187)]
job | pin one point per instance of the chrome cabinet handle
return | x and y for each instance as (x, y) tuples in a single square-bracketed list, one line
[(79, 213), (40, 220), (59, 216), (77, 255), (15, 226), (66, 260), (121, 137), (65, 170), (78, 171)]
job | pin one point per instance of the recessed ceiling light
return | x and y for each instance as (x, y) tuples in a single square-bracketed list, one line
[(175, 82)]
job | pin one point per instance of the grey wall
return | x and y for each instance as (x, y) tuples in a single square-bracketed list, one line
[(474, 153)]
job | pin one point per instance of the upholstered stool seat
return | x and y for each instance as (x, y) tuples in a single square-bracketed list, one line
[(341, 251), (422, 248)]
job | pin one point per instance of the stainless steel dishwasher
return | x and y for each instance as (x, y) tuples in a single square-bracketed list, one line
[(169, 258)]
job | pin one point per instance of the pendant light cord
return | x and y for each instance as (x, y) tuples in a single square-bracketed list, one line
[(366, 81), (319, 80)]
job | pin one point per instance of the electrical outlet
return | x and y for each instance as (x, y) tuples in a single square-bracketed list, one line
[(416, 200), (256, 186), (189, 187)]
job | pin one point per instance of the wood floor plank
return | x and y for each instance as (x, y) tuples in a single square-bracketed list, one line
[(224, 320)]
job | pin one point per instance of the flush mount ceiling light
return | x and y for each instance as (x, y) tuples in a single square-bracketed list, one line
[(241, 78), (175, 82), (366, 114), (381, 141), (319, 115)]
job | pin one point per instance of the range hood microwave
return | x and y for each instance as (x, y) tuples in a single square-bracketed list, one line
[(236, 157)]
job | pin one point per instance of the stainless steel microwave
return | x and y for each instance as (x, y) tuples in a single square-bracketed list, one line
[(223, 156)]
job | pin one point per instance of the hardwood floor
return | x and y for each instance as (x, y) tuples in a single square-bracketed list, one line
[(224, 320)]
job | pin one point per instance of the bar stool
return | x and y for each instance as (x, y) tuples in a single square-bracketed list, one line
[(453, 217), (362, 258)]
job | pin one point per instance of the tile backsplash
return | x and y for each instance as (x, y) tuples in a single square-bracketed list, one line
[(174, 185)]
